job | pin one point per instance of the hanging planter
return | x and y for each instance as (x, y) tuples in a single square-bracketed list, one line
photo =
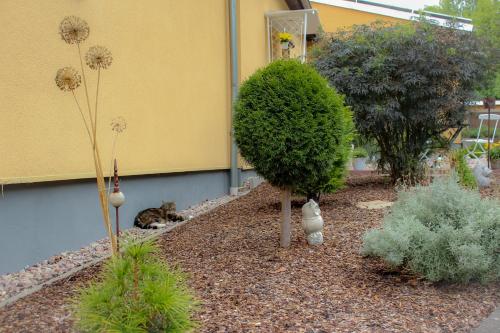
[(285, 39)]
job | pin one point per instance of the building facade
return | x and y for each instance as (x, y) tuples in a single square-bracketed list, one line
[(170, 80)]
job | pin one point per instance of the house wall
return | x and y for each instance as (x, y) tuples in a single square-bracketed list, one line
[(334, 18), (170, 80), (253, 52)]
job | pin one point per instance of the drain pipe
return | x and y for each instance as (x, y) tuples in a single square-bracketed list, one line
[(235, 177)]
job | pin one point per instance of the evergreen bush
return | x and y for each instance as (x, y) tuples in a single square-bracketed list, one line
[(293, 128), (295, 131), (443, 232), (137, 293)]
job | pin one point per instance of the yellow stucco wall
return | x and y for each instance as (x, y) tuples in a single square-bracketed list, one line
[(170, 79), (333, 18), (253, 45)]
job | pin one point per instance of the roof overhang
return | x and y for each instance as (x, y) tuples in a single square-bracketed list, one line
[(313, 23), (399, 12), (298, 4)]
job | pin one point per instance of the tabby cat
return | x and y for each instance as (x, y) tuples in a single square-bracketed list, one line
[(154, 218)]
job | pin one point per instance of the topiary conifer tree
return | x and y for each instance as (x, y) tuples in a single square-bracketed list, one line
[(294, 129)]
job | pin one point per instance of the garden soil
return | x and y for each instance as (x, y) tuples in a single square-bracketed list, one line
[(247, 283)]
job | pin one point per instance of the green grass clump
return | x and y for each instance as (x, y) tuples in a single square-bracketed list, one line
[(465, 176), (359, 152), (495, 153), (471, 132), (442, 232), (137, 293)]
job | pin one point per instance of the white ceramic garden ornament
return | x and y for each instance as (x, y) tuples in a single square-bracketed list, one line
[(482, 174), (312, 222), (116, 199)]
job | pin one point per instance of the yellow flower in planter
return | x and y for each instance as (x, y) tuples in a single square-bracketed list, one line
[(285, 37)]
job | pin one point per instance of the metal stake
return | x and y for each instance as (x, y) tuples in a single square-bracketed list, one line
[(487, 103), (117, 199), (116, 190)]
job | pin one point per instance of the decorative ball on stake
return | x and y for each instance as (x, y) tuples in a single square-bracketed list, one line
[(117, 198)]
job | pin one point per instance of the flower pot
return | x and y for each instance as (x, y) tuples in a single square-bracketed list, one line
[(285, 45), (359, 163), (495, 164)]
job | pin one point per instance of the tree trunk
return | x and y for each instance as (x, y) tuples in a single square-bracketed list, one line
[(286, 217)]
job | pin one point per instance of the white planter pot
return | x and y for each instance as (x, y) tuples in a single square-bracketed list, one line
[(285, 45), (359, 163)]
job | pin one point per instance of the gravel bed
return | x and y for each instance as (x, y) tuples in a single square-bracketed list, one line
[(13, 284)]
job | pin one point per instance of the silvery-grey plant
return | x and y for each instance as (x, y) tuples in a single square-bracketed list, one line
[(442, 231)]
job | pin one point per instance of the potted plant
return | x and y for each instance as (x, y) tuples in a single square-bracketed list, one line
[(285, 39), (359, 155), (495, 156)]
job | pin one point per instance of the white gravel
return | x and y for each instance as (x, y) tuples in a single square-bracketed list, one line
[(13, 284)]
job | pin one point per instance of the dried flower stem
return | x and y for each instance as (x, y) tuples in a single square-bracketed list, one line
[(86, 92), (96, 99), (83, 117), (74, 30), (101, 185)]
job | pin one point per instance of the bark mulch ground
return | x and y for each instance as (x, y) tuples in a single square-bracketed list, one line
[(246, 283)]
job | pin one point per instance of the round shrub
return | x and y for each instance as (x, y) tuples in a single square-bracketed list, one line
[(293, 128), (443, 232)]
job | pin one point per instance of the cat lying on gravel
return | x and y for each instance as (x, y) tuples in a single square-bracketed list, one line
[(154, 218)]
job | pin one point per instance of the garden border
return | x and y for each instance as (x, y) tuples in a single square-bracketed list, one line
[(28, 291)]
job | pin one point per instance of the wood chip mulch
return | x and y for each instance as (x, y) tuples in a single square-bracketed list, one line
[(246, 283)]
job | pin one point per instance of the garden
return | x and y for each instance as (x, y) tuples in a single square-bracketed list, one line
[(409, 244)]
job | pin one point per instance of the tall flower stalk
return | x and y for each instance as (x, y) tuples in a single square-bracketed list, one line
[(74, 30)]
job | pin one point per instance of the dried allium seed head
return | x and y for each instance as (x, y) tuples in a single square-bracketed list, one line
[(73, 30), (68, 79), (118, 125), (98, 57)]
